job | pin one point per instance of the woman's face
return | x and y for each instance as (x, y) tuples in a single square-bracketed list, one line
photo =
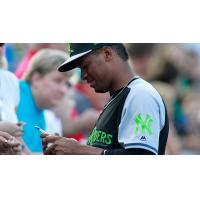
[(51, 88)]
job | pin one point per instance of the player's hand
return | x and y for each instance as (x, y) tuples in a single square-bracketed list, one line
[(60, 145)]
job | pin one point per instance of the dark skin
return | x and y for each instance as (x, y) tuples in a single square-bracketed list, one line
[(56, 145), (104, 71)]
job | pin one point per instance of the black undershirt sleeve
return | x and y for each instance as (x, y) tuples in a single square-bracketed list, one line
[(134, 151)]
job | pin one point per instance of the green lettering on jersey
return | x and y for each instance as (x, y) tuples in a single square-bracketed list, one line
[(109, 139), (99, 136), (103, 137)]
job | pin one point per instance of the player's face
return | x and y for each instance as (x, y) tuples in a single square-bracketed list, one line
[(95, 70)]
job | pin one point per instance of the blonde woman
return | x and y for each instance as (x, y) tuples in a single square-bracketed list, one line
[(43, 88)]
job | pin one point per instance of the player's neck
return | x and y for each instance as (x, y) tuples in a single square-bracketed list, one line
[(122, 78)]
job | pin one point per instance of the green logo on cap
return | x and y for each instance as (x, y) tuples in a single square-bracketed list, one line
[(69, 48)]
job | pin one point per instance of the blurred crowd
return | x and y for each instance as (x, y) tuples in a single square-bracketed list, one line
[(33, 93)]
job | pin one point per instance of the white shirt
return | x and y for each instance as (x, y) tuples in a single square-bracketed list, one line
[(9, 96), (143, 117), (53, 123)]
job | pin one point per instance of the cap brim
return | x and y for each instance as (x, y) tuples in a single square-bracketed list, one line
[(70, 63)]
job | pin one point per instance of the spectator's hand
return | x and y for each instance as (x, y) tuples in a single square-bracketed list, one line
[(11, 128), (60, 145), (8, 144)]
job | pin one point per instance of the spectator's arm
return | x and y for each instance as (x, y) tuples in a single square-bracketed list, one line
[(84, 122)]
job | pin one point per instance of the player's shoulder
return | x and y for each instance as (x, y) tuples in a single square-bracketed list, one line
[(143, 90), (139, 86)]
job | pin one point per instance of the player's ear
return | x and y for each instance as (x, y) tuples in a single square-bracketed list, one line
[(108, 54)]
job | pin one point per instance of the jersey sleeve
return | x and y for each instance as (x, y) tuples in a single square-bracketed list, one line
[(141, 121)]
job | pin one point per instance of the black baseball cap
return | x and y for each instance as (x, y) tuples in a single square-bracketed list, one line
[(77, 51)]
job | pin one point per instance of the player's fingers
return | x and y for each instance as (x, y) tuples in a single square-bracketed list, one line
[(49, 150), (51, 138), (44, 135)]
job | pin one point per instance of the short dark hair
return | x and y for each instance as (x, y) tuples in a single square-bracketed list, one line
[(121, 51), (119, 48)]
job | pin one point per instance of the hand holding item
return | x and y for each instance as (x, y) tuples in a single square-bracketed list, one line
[(59, 145), (8, 144), (13, 129)]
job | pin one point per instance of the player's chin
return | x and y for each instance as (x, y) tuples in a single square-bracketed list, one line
[(97, 90), (100, 90)]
